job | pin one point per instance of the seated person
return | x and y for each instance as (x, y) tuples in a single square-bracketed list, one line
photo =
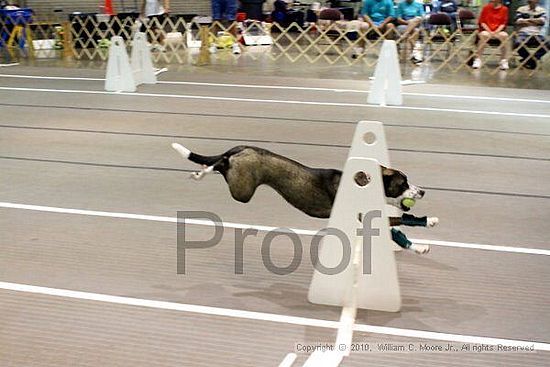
[(492, 24), (331, 19), (285, 16), (152, 17), (450, 8), (409, 19), (530, 21), (377, 16)]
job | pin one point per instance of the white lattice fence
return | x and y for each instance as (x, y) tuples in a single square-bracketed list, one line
[(87, 37)]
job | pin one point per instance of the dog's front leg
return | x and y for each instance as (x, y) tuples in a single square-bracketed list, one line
[(412, 221), (401, 239), (200, 174)]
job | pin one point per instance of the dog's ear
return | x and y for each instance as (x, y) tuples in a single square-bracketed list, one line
[(387, 171), (395, 182)]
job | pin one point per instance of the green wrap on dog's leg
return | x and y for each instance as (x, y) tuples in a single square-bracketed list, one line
[(412, 221), (400, 238)]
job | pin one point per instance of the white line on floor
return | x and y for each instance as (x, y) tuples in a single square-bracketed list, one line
[(261, 316), (279, 101), (154, 218), (226, 85)]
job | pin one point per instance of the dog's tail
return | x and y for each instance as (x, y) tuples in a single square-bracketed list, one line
[(196, 158)]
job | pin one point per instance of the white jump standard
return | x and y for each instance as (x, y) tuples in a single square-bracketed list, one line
[(355, 198), (123, 76)]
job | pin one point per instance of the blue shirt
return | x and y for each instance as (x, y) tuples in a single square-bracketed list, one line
[(408, 11), (378, 10)]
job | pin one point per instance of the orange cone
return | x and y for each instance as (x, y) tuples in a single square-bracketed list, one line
[(109, 7)]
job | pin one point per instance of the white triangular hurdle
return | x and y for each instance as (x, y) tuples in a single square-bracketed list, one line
[(378, 290), (123, 76), (386, 87), (352, 288), (141, 60), (119, 77), (359, 149)]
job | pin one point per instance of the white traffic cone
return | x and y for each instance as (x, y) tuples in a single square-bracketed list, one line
[(386, 87), (142, 64), (119, 76)]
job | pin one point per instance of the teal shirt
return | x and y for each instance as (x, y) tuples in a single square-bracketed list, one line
[(408, 11), (378, 10)]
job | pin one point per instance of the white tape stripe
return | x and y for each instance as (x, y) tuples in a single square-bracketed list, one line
[(306, 232), (251, 315), (454, 96), (289, 360), (254, 100), (478, 246)]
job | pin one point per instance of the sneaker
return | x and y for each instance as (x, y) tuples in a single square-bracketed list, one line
[(357, 51), (477, 63), (236, 48), (415, 60), (504, 64)]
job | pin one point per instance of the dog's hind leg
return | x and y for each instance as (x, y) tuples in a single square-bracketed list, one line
[(242, 183), (243, 188), (200, 174)]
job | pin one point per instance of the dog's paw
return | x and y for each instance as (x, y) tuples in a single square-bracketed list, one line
[(197, 175), (432, 221), (420, 249)]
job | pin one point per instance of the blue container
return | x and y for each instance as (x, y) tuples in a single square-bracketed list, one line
[(17, 16)]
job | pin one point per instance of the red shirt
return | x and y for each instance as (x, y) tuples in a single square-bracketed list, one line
[(492, 17)]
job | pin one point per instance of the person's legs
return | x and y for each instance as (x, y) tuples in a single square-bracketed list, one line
[(411, 26), (161, 35), (224, 14), (362, 29), (416, 47), (378, 29), (544, 46), (217, 15), (414, 36), (484, 37), (229, 14), (231, 17), (217, 10), (153, 27), (402, 30), (520, 42), (389, 31), (411, 34), (503, 37)]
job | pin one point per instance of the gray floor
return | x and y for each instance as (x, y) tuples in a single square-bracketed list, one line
[(485, 164)]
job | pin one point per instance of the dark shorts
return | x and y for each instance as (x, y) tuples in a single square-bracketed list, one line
[(224, 9)]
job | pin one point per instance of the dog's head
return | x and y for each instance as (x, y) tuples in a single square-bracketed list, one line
[(397, 188)]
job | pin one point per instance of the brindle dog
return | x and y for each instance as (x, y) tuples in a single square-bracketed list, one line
[(311, 190)]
